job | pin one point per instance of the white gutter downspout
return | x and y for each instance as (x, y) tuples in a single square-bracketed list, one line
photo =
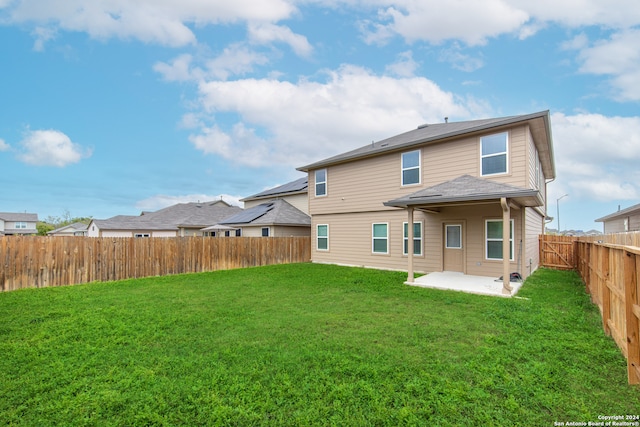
[(506, 247), (410, 276)]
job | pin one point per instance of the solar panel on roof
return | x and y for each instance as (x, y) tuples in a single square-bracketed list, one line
[(250, 214)]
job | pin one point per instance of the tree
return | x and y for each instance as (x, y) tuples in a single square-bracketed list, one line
[(54, 222)]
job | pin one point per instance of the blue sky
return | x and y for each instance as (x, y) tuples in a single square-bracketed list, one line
[(112, 107)]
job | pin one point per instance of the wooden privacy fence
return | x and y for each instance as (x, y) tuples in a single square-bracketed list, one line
[(557, 252), (35, 262), (611, 273), (610, 268)]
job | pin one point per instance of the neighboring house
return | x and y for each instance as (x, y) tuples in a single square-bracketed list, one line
[(294, 192), (75, 229), (462, 185), (281, 211), (183, 219), (622, 221), (18, 223), (275, 218)]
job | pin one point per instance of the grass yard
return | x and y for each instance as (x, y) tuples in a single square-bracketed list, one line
[(306, 345)]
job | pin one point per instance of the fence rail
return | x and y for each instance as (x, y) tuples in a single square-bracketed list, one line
[(35, 262), (610, 268)]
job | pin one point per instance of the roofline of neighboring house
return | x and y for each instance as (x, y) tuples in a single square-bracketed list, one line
[(620, 213), (96, 222), (280, 190), (381, 149), (274, 195), (271, 224)]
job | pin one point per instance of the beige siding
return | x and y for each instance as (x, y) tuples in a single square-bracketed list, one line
[(350, 239), (357, 190), (534, 227), (348, 184), (614, 226), (253, 231), (618, 225), (282, 231), (276, 231), (299, 201), (531, 156)]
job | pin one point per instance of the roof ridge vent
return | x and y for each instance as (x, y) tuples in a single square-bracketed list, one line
[(423, 126)]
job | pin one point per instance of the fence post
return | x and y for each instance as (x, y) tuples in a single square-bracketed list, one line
[(605, 293), (632, 315)]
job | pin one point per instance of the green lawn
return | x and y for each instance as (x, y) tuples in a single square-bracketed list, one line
[(306, 345)]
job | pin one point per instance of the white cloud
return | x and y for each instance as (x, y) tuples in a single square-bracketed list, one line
[(266, 33), (473, 22), (579, 13), (459, 60), (295, 123), (4, 146), (42, 35), (165, 22), (236, 59), (597, 156), (162, 201), (179, 69), (617, 57), (405, 66), (51, 148), (436, 21)]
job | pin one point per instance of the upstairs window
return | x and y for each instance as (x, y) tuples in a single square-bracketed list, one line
[(321, 182), (411, 167), (21, 225), (493, 150)]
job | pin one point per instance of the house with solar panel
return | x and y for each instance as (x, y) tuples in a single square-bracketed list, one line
[(467, 197), (282, 211)]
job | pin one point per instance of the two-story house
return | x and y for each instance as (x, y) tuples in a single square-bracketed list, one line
[(463, 186), (18, 223)]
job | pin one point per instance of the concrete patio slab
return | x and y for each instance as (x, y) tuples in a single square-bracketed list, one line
[(454, 281)]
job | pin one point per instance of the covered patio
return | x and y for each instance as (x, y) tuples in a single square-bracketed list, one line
[(469, 191), (454, 281)]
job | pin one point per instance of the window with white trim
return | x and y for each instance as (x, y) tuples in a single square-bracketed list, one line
[(321, 182), (493, 153), (265, 231), (493, 239), (380, 238), (21, 224), (453, 236), (142, 235), (411, 167), (322, 237), (417, 238)]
